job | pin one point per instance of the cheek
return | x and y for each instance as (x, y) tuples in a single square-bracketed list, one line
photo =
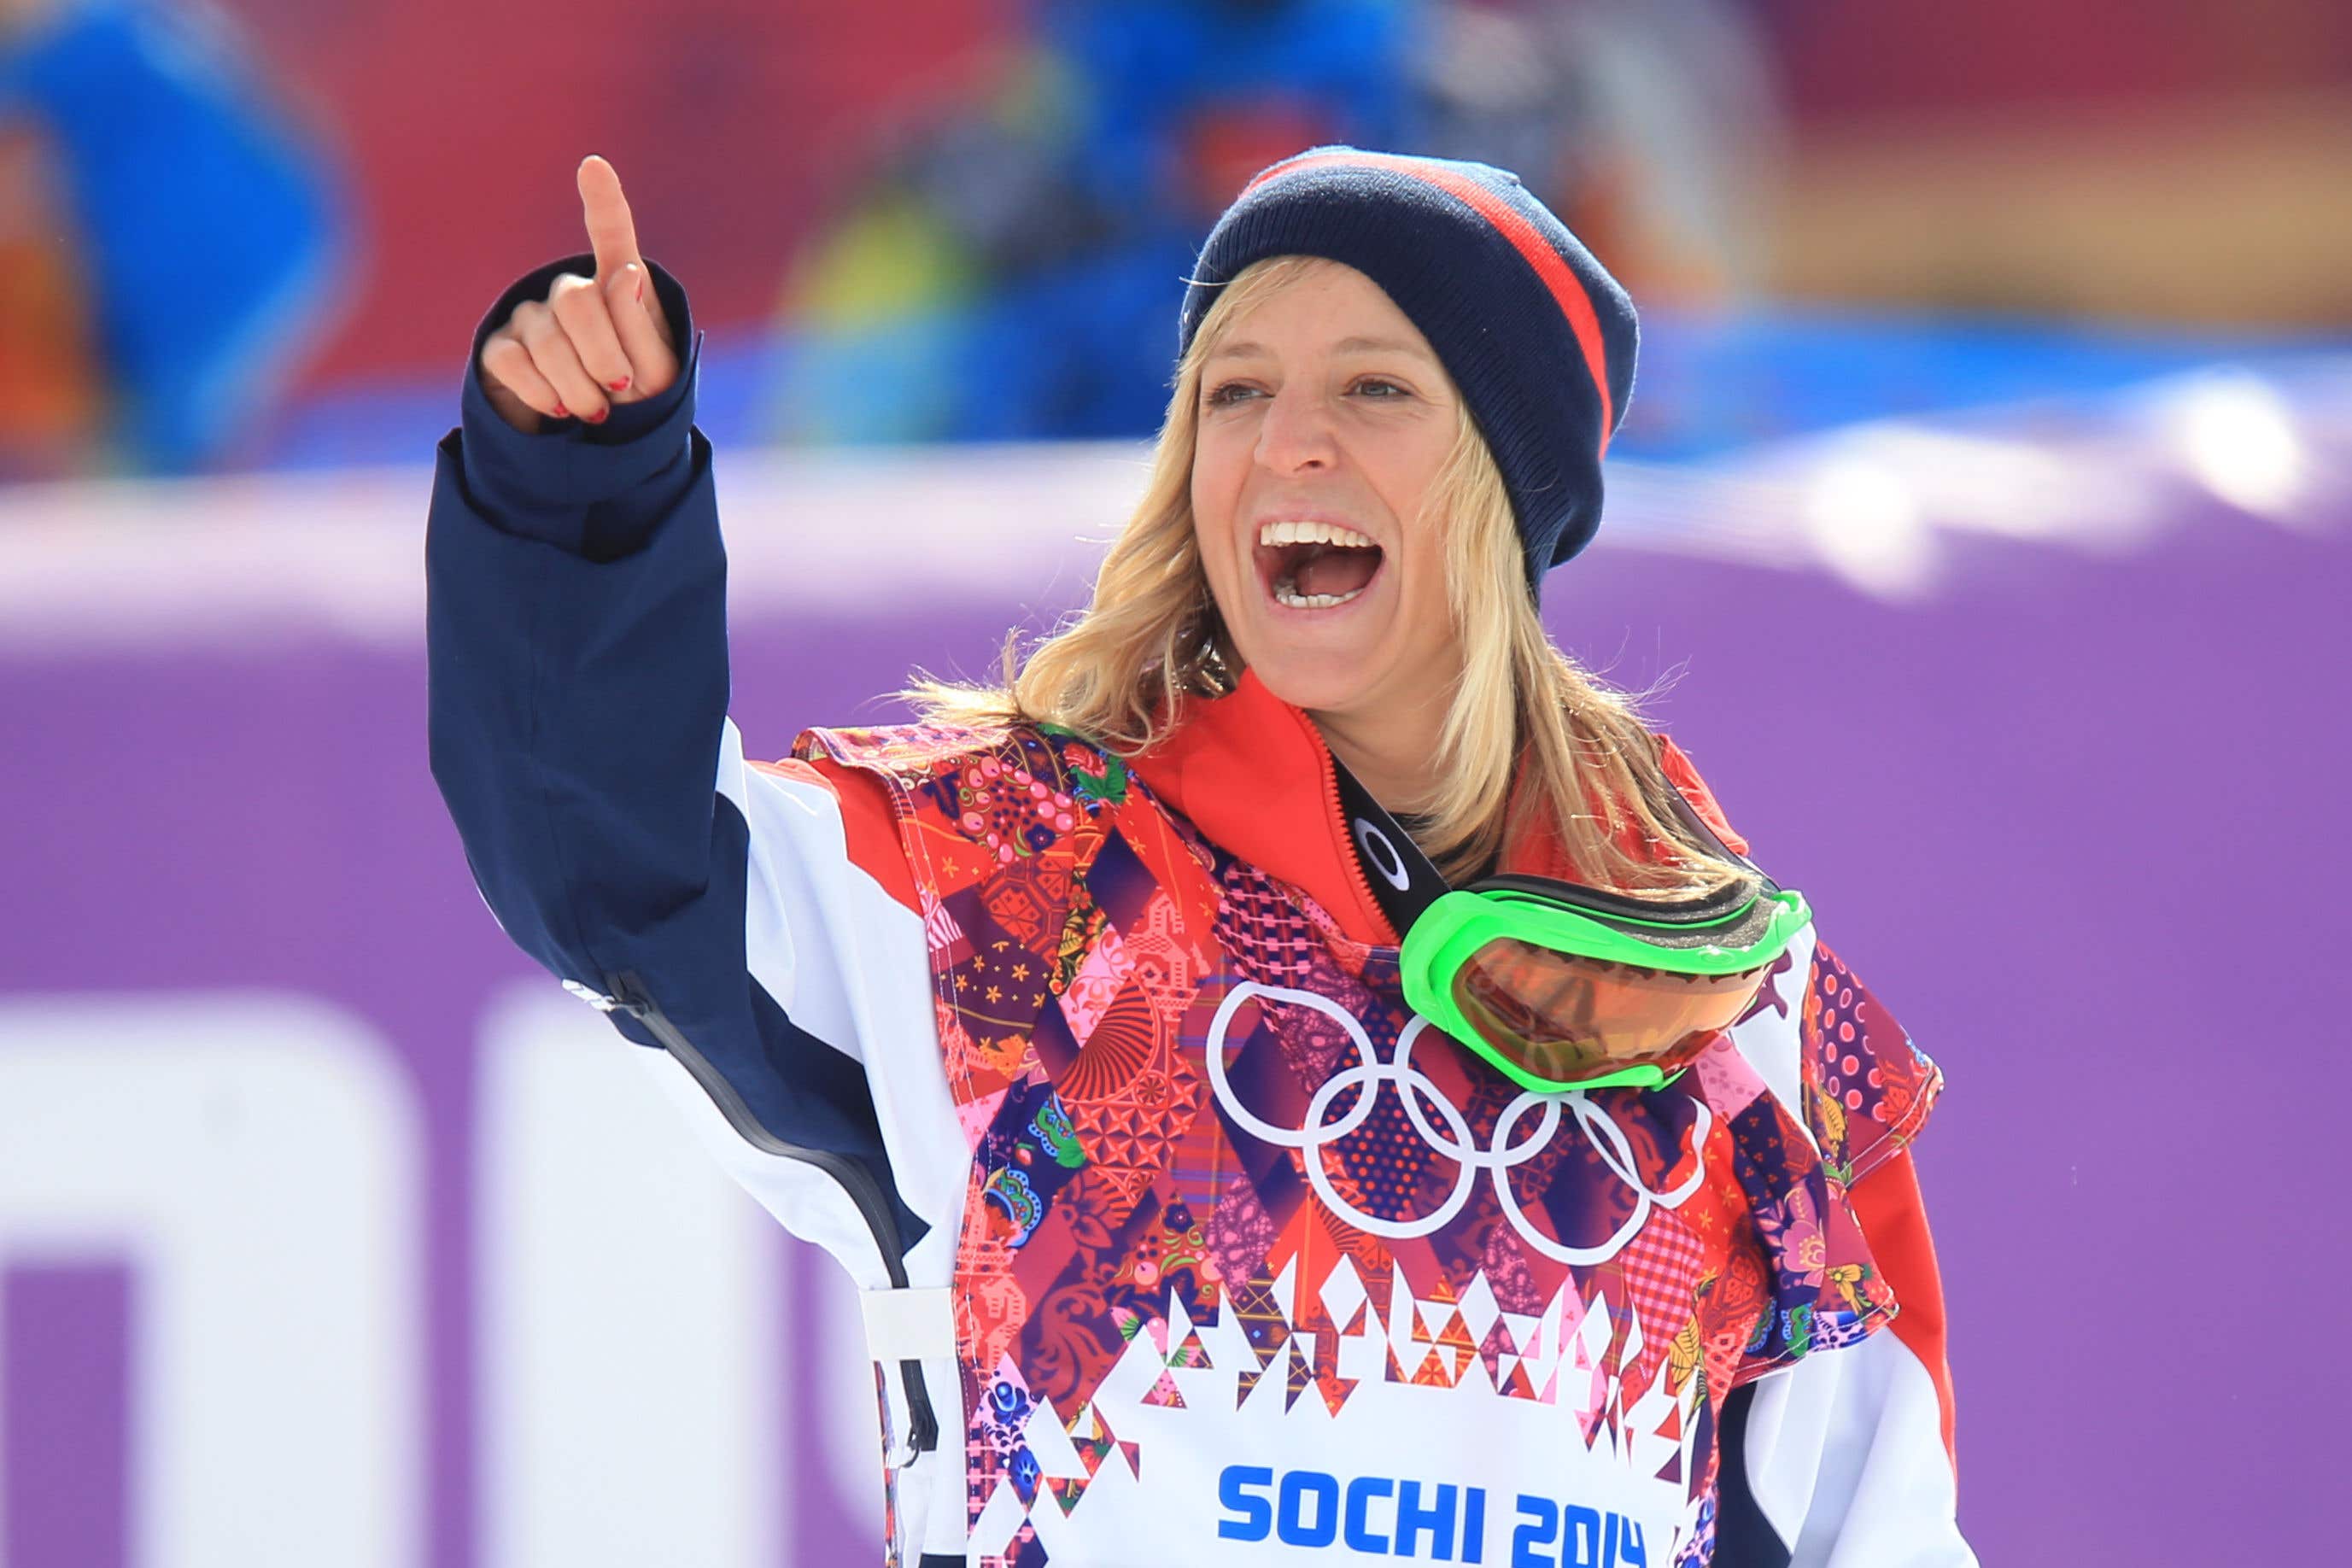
[(1428, 610), (1216, 462), (1213, 565), (1413, 481), (1215, 503)]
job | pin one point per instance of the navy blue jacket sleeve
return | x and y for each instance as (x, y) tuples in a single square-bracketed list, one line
[(577, 638)]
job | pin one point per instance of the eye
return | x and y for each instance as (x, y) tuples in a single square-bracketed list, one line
[(1225, 393), (1385, 389)]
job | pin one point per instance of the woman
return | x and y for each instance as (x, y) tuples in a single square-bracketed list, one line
[(1073, 1020)]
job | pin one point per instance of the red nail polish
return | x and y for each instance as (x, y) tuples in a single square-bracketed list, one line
[(620, 385), (598, 417), (561, 412)]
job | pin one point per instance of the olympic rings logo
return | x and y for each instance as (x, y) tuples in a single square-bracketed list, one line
[(1456, 1144)]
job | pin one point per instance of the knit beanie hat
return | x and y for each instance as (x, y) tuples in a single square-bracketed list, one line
[(1535, 333)]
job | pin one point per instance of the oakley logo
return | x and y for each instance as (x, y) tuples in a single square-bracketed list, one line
[(1381, 855), (1419, 1094)]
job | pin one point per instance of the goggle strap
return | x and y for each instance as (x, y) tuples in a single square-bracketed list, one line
[(1690, 818), (1405, 882)]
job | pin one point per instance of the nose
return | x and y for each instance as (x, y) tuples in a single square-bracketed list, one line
[(1295, 436)]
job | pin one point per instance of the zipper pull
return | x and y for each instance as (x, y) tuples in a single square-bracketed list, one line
[(597, 999), (922, 1421)]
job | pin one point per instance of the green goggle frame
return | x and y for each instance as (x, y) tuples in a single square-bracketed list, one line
[(1563, 986), (1743, 934)]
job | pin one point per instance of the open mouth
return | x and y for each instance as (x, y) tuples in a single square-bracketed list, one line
[(1315, 565)]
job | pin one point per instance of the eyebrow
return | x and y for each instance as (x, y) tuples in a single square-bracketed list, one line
[(1345, 346)]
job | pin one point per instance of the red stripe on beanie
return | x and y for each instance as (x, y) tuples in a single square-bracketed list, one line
[(1567, 290)]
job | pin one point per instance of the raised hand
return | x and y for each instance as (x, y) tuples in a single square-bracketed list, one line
[(594, 342)]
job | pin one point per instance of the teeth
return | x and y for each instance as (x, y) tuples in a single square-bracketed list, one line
[(1313, 534), (1290, 597)]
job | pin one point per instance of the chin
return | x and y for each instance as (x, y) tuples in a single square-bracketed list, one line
[(1320, 681)]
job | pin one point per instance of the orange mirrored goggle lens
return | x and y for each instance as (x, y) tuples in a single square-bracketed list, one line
[(1566, 1018)]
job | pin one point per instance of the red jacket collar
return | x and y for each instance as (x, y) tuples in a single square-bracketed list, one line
[(1253, 775)]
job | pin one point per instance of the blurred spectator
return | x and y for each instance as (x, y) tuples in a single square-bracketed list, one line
[(1006, 269), (166, 245), (49, 395), (1652, 127)]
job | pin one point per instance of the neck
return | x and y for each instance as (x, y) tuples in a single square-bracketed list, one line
[(1392, 754)]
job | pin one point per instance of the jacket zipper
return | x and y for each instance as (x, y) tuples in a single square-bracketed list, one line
[(1336, 815), (628, 994)]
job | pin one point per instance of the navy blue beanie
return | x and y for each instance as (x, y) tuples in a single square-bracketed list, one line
[(1537, 334)]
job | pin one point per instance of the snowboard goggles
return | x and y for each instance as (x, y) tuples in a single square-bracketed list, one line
[(1563, 986)]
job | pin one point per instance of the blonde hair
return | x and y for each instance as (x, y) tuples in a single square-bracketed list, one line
[(1528, 734)]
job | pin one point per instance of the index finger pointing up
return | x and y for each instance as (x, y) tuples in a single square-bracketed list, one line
[(612, 232)]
